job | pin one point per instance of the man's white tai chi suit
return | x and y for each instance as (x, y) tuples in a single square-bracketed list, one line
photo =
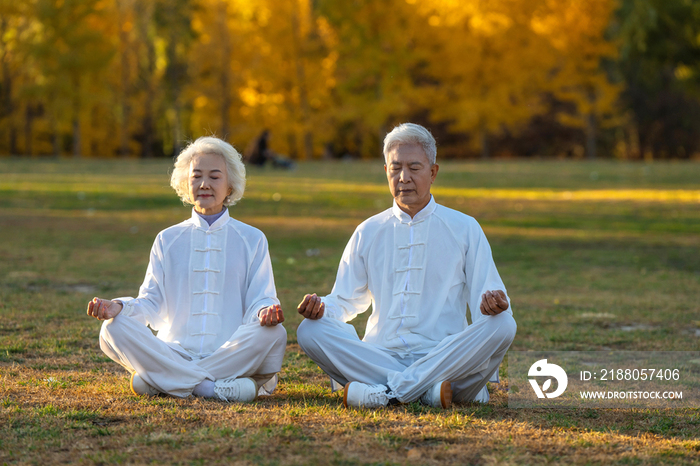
[(202, 293), (418, 274)]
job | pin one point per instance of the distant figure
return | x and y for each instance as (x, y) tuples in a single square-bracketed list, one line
[(418, 264), (258, 153), (208, 292)]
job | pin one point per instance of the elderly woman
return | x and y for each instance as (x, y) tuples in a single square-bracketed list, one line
[(209, 294)]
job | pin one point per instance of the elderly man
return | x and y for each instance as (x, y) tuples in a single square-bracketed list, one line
[(418, 264)]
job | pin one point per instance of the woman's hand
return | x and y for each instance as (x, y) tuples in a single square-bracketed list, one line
[(104, 309), (271, 316)]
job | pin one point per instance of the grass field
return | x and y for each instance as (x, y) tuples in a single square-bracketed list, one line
[(595, 256)]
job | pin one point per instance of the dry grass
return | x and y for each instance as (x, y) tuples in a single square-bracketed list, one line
[(579, 272)]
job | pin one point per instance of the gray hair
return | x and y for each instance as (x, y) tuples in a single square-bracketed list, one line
[(235, 170), (411, 133)]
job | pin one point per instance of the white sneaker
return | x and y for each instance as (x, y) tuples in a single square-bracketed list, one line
[(243, 389), (438, 396), (362, 395), (139, 387)]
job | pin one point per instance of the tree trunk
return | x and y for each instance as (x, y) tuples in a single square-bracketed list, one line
[(591, 129), (13, 140), (301, 82), (55, 138), (124, 95), (6, 103), (77, 153), (292, 143), (225, 76), (308, 144), (28, 120), (147, 71), (173, 72), (591, 146), (77, 133), (635, 152), (484, 141), (147, 149), (177, 131)]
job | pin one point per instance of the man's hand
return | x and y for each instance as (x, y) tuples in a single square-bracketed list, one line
[(103, 309), (311, 307), (493, 303), (271, 316)]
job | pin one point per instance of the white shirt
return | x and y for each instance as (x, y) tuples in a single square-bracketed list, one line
[(203, 282), (418, 274)]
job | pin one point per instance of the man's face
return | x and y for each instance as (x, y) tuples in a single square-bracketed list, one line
[(410, 175)]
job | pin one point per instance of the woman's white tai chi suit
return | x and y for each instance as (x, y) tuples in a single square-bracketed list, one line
[(419, 274), (202, 293)]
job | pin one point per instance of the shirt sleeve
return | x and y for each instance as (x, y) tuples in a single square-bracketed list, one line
[(480, 271), (149, 307), (350, 295), (260, 291)]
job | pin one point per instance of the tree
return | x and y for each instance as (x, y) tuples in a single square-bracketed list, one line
[(488, 68), (660, 64), (576, 30), (494, 62), (224, 32), (15, 21), (174, 31), (377, 56), (289, 77)]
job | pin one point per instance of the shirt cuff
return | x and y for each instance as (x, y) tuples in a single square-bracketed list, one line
[(255, 316), (332, 311), (127, 305)]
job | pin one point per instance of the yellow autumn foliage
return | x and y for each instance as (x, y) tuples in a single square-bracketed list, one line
[(139, 77)]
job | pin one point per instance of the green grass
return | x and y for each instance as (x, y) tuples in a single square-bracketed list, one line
[(587, 250)]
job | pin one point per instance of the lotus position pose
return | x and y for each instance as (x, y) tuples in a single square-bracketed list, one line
[(419, 265), (209, 294)]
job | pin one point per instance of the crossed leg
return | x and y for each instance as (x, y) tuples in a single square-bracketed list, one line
[(467, 359), (253, 351)]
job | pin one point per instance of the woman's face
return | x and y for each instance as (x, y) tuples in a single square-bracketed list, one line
[(208, 183)]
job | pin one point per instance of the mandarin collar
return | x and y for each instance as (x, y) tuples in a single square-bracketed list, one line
[(201, 223), (419, 217)]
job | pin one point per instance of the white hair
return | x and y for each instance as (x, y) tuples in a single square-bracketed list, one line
[(235, 170), (411, 133)]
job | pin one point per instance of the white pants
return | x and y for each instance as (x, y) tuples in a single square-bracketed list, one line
[(254, 351), (467, 359)]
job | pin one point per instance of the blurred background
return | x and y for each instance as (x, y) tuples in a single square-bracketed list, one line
[(328, 78)]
